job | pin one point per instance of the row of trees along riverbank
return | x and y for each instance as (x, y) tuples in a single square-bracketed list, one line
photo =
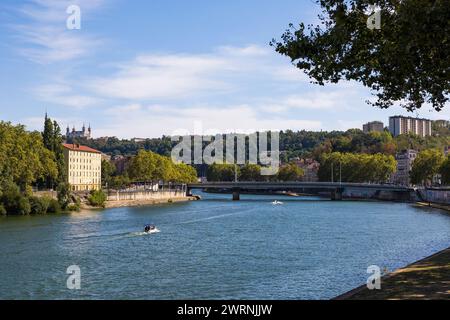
[(333, 166), (149, 167), (27, 160), (35, 160)]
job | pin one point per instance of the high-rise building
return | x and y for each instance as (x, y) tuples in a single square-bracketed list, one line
[(83, 167), (374, 126), (403, 125)]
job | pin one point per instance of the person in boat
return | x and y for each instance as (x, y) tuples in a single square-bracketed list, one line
[(149, 228)]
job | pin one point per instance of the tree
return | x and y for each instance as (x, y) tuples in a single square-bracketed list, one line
[(23, 157), (251, 172), (290, 172), (58, 150), (222, 172), (64, 194), (97, 198), (108, 170), (405, 61), (356, 167), (142, 166), (52, 139), (445, 171), (149, 166), (427, 164)]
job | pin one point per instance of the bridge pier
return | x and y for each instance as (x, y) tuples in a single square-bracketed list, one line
[(336, 195), (236, 195)]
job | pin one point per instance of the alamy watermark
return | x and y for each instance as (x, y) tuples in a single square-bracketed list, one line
[(239, 149), (374, 20), (374, 281), (74, 280), (73, 21)]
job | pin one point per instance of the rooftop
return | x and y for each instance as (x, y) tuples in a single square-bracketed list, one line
[(78, 147), (409, 118)]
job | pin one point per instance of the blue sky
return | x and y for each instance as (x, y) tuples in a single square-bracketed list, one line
[(146, 68)]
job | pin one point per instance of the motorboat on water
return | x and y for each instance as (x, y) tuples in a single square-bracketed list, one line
[(277, 203), (150, 228)]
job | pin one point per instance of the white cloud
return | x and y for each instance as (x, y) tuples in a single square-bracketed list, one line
[(63, 95), (162, 76), (153, 121), (45, 38), (180, 76)]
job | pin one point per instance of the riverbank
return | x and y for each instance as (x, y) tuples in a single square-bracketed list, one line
[(144, 203), (434, 205), (427, 279)]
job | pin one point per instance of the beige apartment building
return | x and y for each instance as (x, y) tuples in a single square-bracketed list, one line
[(83, 167)]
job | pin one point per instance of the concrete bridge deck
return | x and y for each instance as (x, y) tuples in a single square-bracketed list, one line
[(336, 189)]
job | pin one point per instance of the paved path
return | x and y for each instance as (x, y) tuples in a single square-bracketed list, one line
[(428, 279)]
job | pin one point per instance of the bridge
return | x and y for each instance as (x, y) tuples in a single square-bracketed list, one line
[(335, 189)]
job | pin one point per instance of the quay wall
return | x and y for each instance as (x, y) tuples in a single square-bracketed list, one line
[(439, 196), (145, 195)]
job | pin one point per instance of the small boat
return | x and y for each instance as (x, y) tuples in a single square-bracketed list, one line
[(277, 203), (150, 229)]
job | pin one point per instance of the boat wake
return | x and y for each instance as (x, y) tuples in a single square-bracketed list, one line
[(142, 233)]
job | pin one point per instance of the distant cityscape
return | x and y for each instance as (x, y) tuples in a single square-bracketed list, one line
[(406, 125), (398, 125)]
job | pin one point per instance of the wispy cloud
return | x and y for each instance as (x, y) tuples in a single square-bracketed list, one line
[(178, 76), (154, 120), (44, 37), (64, 95)]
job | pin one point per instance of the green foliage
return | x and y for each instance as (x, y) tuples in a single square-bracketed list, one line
[(221, 172), (13, 201), (445, 171), (2, 210), (115, 146), (406, 60), (39, 205), (119, 182), (23, 156), (53, 140), (97, 198), (299, 144), (108, 170), (290, 172), (185, 173), (427, 164), (64, 194), (149, 166), (356, 167), (251, 172), (54, 206)]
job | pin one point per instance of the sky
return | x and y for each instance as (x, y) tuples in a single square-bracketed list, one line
[(147, 68)]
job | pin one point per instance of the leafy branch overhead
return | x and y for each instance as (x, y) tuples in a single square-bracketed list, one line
[(407, 60)]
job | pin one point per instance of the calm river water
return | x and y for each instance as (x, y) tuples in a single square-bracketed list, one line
[(215, 249)]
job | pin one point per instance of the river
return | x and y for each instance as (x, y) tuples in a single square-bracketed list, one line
[(307, 248)]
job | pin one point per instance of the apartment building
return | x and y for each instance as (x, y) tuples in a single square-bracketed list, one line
[(403, 125), (83, 167)]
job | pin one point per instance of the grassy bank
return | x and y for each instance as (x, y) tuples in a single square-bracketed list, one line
[(427, 279)]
